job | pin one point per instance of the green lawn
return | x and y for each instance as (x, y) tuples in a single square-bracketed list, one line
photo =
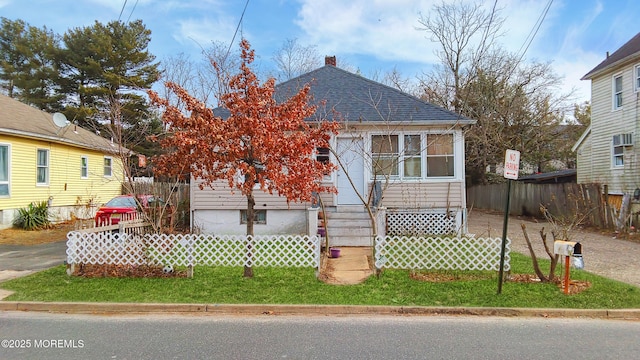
[(217, 285)]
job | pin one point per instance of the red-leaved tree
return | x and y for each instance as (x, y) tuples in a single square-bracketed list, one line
[(261, 142)]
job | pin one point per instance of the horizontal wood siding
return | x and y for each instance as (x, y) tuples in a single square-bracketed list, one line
[(607, 122), (422, 195), (221, 197), (66, 187)]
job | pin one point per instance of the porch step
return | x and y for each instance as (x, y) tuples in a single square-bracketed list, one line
[(349, 228)]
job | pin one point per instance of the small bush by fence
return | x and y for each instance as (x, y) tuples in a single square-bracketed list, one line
[(85, 247), (394, 252)]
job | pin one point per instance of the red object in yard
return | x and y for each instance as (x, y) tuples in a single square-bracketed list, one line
[(125, 207)]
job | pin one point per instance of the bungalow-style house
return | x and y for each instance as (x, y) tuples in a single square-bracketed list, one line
[(607, 152), (45, 158), (409, 149)]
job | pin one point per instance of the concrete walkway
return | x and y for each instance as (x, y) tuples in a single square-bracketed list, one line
[(352, 267)]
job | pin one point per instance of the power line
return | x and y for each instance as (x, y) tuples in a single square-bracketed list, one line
[(534, 30), (134, 7), (237, 28), (121, 10)]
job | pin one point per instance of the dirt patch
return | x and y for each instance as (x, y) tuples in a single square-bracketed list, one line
[(444, 276), (575, 286), (142, 271), (15, 236)]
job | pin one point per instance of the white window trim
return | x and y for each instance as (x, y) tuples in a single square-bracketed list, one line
[(424, 135), (636, 78), (614, 156), (47, 167), (8, 182), (84, 169), (614, 93), (110, 167)]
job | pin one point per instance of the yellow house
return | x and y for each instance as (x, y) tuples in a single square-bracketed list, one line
[(45, 158)]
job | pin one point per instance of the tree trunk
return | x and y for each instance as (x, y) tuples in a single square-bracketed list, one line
[(251, 202), (534, 258)]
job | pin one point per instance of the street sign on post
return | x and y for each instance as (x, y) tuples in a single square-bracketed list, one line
[(511, 167), (511, 164)]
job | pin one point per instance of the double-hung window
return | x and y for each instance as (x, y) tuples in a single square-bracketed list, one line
[(440, 157), (385, 155), (412, 156), (4, 170), (108, 163), (84, 167), (617, 92), (42, 168), (636, 78)]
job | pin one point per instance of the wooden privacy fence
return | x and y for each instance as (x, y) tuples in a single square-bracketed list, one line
[(561, 200), (176, 194)]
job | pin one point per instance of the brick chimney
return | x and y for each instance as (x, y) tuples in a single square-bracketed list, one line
[(330, 60)]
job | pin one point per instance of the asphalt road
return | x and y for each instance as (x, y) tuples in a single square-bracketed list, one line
[(50, 336)]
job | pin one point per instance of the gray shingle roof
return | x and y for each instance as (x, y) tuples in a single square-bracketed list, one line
[(22, 120), (630, 48), (358, 99)]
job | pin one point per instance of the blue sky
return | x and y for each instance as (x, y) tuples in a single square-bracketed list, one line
[(371, 35)]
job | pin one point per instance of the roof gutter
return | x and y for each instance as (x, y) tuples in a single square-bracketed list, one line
[(56, 139)]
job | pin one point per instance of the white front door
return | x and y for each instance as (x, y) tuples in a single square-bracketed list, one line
[(350, 151)]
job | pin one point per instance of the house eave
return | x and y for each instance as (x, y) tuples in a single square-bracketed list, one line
[(59, 140), (578, 143), (595, 72)]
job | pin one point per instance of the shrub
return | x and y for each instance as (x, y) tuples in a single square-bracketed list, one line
[(33, 217)]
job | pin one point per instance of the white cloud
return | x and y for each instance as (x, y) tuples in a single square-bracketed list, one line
[(202, 32), (384, 30)]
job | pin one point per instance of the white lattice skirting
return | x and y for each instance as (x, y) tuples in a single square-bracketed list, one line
[(393, 252), (421, 223), (192, 249)]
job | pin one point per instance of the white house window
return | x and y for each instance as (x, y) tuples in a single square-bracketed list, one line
[(412, 157), (617, 152), (259, 216), (108, 171), (84, 167), (42, 168), (440, 156), (384, 155), (433, 152), (636, 73), (4, 170), (617, 92)]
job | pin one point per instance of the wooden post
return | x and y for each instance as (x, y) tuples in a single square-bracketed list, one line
[(566, 275)]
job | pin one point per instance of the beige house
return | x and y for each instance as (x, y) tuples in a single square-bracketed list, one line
[(45, 158), (410, 151), (607, 152)]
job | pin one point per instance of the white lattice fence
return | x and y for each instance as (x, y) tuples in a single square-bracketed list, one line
[(417, 223), (440, 253), (191, 249)]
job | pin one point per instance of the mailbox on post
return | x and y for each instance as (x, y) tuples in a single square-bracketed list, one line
[(570, 250)]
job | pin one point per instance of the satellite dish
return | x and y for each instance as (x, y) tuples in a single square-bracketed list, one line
[(60, 120)]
